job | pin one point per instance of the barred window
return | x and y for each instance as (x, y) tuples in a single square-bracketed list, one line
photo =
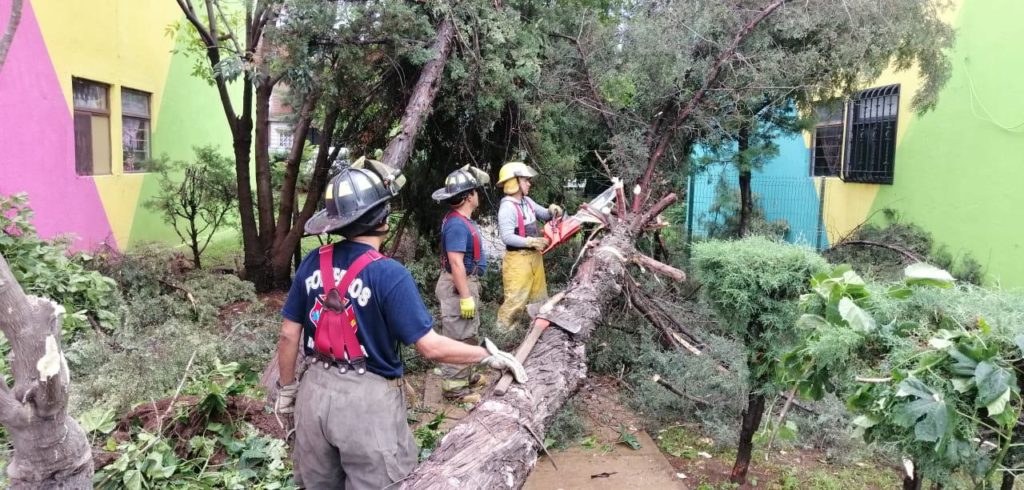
[(871, 135), (826, 152)]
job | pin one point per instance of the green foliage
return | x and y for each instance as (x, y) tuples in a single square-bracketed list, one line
[(213, 388), (219, 454), (567, 428), (752, 285), (222, 456), (630, 440), (200, 202), (46, 268), (925, 366), (428, 435), (163, 327)]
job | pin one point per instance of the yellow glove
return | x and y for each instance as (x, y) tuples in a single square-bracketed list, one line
[(537, 243), (555, 210), (467, 307)]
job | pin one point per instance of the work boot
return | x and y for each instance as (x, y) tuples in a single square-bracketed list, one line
[(464, 395), (479, 380)]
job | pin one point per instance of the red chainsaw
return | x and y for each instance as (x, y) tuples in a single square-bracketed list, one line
[(561, 229)]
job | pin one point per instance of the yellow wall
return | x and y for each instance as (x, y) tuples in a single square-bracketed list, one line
[(123, 44), (847, 205)]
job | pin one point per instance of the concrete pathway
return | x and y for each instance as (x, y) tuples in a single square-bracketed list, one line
[(621, 468)]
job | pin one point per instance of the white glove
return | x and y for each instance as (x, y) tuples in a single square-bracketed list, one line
[(502, 360), (285, 403), (555, 210)]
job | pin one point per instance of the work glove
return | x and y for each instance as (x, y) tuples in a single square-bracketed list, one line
[(284, 406), (502, 360), (537, 243), (467, 307), (555, 210)]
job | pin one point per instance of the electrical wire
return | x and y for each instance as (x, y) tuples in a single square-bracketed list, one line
[(988, 117)]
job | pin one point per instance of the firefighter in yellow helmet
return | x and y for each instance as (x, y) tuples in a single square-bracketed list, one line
[(522, 270)]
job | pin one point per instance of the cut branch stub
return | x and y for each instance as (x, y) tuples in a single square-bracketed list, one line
[(50, 448)]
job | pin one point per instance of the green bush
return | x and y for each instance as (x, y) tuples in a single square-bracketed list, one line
[(163, 326), (885, 265), (567, 428), (46, 268), (752, 285)]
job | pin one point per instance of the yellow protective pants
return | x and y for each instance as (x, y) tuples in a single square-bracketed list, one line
[(522, 275)]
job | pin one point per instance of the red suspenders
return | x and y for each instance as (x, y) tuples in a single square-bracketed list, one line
[(335, 337), (476, 241)]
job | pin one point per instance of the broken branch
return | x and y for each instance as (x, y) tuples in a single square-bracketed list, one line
[(655, 210), (658, 267)]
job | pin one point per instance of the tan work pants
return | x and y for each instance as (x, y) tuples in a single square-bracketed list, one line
[(351, 431), (457, 376)]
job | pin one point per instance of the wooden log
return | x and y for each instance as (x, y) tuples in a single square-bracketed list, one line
[(496, 445)]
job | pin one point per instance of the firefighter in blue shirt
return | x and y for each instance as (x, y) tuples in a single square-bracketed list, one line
[(463, 263), (349, 409)]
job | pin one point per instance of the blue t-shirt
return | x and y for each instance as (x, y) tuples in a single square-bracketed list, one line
[(387, 304), (456, 237)]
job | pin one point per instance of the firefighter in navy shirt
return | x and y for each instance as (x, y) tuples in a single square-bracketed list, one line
[(463, 263), (349, 409)]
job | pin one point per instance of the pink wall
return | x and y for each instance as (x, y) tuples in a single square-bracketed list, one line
[(37, 145)]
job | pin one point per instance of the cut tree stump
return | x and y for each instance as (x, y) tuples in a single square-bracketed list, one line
[(50, 448)]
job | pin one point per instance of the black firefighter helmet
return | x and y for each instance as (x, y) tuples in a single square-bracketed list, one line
[(459, 181), (356, 199)]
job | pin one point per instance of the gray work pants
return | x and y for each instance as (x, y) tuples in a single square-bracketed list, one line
[(351, 431)]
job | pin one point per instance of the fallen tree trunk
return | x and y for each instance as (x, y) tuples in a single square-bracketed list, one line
[(50, 448), (422, 100), (496, 445)]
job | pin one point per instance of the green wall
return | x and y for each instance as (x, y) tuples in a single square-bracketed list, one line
[(960, 167), (190, 115)]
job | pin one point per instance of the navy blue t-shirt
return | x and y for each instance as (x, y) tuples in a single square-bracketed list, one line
[(455, 237), (387, 304)]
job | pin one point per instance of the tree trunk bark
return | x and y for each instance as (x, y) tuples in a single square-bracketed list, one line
[(1008, 480), (50, 448), (751, 421), (416, 111), (912, 482), (496, 445), (264, 185), (9, 31), (746, 197)]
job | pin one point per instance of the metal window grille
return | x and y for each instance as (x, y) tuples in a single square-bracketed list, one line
[(827, 139), (871, 136)]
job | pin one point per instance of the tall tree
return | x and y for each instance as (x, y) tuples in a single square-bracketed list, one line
[(50, 448), (234, 51)]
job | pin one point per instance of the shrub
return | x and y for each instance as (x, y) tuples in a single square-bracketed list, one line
[(201, 202), (752, 286), (46, 268)]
